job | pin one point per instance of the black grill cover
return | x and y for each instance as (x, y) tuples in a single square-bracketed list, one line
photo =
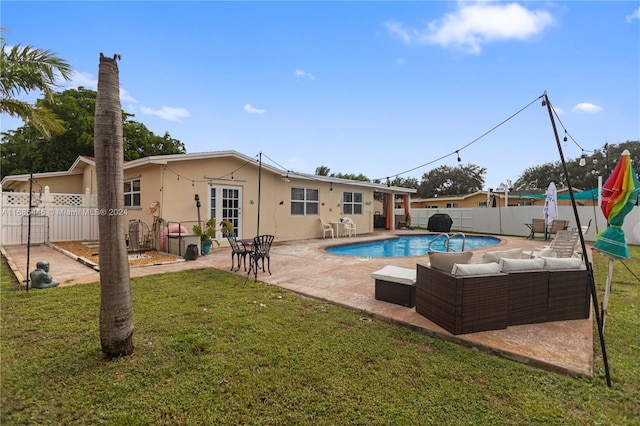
[(440, 222), (191, 253)]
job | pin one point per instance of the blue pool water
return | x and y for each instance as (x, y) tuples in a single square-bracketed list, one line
[(411, 245)]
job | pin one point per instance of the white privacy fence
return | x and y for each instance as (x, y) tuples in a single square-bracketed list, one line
[(53, 217), (512, 220)]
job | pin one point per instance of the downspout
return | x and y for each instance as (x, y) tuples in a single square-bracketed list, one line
[(407, 210), (389, 210)]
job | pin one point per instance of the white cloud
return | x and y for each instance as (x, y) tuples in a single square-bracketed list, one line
[(126, 97), (304, 74), (167, 113), (474, 24), (400, 61), (634, 15), (252, 110), (80, 79), (587, 108)]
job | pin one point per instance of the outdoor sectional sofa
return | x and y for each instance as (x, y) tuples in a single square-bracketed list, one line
[(481, 297)]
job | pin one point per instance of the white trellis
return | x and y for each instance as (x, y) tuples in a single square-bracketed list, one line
[(54, 217)]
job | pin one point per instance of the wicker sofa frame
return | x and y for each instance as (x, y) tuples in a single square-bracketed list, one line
[(472, 303)]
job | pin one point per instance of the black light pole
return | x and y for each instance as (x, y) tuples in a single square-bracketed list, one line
[(594, 296), (26, 281), (197, 198), (259, 191)]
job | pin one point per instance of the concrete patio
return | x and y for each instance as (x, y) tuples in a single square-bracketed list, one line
[(305, 268)]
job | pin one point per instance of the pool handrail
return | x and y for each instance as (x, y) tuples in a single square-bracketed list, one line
[(448, 238)]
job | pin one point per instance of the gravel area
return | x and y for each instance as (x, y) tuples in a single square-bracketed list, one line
[(89, 251)]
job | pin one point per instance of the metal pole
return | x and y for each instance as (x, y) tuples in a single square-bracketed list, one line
[(259, 191), (29, 230), (592, 284)]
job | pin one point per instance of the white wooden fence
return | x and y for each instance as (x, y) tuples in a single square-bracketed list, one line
[(53, 217), (512, 220)]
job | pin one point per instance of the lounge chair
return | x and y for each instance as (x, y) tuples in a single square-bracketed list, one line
[(537, 227), (558, 225), (563, 245)]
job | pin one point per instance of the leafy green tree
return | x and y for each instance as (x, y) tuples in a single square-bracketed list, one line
[(322, 171), (400, 182), (599, 163), (447, 180), (350, 176), (25, 150), (25, 69)]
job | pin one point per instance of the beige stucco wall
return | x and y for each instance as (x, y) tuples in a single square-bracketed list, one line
[(64, 184), (178, 204), (175, 184)]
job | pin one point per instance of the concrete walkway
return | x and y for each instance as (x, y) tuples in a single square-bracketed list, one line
[(305, 268)]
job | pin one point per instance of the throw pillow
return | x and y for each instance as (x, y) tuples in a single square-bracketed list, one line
[(495, 256), (476, 269), (551, 263), (512, 265), (443, 261)]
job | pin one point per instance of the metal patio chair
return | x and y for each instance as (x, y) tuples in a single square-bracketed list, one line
[(260, 250)]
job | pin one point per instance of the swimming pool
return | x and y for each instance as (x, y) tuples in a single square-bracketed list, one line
[(411, 245)]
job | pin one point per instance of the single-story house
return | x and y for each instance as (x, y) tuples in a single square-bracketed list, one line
[(496, 198), (253, 196)]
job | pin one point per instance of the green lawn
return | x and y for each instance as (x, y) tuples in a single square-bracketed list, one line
[(210, 350)]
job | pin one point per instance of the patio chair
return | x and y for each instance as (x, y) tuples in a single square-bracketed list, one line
[(563, 245), (260, 251), (537, 227), (349, 227), (326, 228), (558, 225), (238, 250), (585, 228)]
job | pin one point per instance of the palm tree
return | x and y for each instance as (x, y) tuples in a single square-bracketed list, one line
[(25, 69), (116, 310)]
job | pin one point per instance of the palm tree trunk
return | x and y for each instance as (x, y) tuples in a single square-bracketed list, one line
[(116, 310)]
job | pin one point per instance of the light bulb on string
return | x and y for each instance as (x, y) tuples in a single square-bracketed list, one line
[(458, 154)]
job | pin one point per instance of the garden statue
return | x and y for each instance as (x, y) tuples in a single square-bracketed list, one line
[(40, 277)]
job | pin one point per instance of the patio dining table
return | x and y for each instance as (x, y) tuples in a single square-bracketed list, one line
[(338, 225)]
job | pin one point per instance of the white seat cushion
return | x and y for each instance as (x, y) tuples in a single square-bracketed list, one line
[(551, 263), (476, 269), (443, 261), (495, 256), (513, 265), (395, 274)]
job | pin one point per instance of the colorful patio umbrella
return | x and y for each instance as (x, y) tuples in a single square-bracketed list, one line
[(550, 209), (619, 196)]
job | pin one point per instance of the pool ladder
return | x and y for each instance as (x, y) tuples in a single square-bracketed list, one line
[(448, 239)]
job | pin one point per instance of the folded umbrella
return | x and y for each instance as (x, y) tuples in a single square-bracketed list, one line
[(619, 196)]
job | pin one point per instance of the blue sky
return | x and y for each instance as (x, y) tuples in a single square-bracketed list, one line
[(377, 88)]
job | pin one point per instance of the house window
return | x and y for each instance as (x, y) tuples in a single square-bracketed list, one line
[(352, 202), (304, 201), (132, 193), (452, 205)]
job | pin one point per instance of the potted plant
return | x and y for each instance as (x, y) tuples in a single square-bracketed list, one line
[(207, 235)]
